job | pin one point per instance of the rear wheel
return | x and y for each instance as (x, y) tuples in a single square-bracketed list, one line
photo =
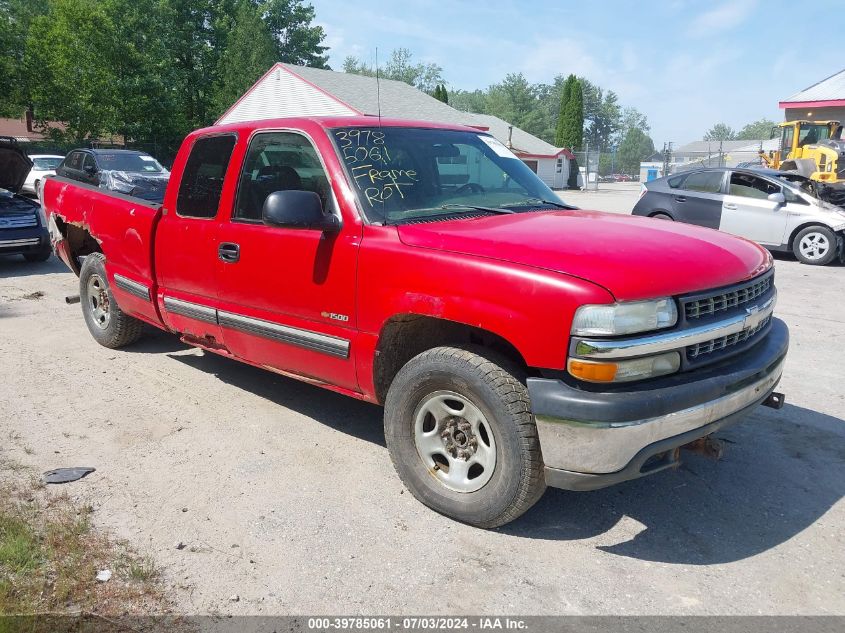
[(662, 216), (815, 245), (108, 324), (461, 435)]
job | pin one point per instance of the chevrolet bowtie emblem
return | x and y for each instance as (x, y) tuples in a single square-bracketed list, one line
[(753, 317)]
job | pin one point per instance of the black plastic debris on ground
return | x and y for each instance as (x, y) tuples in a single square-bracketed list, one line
[(65, 475)]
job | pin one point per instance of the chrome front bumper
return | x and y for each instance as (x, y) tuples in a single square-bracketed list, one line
[(590, 439)]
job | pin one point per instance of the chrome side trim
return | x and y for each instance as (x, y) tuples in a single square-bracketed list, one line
[(593, 447), (669, 341), (324, 343), (132, 287), (191, 310), (31, 241)]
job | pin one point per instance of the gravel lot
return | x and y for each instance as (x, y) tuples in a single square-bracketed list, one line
[(284, 494), (614, 197)]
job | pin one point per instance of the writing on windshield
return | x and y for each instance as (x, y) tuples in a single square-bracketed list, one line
[(410, 173), (369, 161)]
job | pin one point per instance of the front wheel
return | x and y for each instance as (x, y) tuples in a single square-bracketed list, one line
[(109, 325), (815, 245), (461, 435)]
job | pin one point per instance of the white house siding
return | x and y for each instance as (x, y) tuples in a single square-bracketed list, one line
[(281, 94), (547, 171)]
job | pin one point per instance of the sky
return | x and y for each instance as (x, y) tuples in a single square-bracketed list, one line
[(685, 64)]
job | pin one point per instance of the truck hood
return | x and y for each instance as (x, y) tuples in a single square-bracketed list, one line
[(632, 257), (14, 166)]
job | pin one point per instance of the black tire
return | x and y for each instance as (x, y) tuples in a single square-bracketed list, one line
[(825, 250), (497, 388), (118, 328), (38, 256), (662, 216)]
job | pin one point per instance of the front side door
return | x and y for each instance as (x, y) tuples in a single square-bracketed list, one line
[(748, 212), (287, 295), (698, 199), (186, 243)]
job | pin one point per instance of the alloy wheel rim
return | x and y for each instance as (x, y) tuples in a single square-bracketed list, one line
[(455, 441), (98, 301), (814, 245)]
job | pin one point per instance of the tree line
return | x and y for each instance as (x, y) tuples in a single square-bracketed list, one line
[(757, 130), (594, 117), (144, 69), (153, 70)]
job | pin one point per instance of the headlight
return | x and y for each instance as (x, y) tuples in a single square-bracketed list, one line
[(625, 370), (624, 318)]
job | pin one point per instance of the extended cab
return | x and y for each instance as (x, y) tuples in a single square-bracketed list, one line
[(514, 342)]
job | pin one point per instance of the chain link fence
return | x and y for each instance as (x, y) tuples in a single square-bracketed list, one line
[(598, 168)]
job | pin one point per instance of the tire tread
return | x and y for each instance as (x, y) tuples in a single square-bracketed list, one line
[(507, 380)]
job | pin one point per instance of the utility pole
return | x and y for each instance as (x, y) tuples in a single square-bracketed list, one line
[(667, 157)]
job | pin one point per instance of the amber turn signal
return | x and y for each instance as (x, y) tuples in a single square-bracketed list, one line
[(594, 372)]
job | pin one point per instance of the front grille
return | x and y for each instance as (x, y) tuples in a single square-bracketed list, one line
[(18, 221), (727, 299), (716, 344)]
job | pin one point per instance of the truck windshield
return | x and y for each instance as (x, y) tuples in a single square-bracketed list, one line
[(810, 133), (403, 174)]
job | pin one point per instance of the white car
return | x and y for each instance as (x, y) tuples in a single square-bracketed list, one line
[(780, 210), (42, 165)]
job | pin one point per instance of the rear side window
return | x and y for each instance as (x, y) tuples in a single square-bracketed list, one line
[(705, 182), (202, 182), (675, 181)]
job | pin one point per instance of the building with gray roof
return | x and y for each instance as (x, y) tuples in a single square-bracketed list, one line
[(288, 91)]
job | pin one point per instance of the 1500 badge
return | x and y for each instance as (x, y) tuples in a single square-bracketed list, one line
[(334, 316)]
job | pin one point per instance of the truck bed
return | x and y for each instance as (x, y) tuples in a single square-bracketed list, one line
[(124, 227)]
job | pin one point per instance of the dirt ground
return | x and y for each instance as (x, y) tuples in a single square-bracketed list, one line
[(255, 493)]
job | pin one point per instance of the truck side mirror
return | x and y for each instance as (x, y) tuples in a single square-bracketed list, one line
[(298, 210), (777, 198)]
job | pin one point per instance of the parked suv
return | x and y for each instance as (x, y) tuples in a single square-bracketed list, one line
[(22, 227), (125, 171), (779, 210)]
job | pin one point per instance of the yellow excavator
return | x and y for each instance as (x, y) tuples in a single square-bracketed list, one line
[(814, 149)]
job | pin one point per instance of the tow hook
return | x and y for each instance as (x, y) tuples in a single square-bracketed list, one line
[(775, 400), (71, 299), (708, 446)]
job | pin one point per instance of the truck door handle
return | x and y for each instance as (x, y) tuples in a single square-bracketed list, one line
[(680, 199), (229, 252), (730, 206)]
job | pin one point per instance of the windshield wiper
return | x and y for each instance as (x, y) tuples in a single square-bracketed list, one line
[(476, 208), (445, 207), (559, 205)]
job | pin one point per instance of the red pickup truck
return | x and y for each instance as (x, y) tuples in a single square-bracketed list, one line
[(514, 341)]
